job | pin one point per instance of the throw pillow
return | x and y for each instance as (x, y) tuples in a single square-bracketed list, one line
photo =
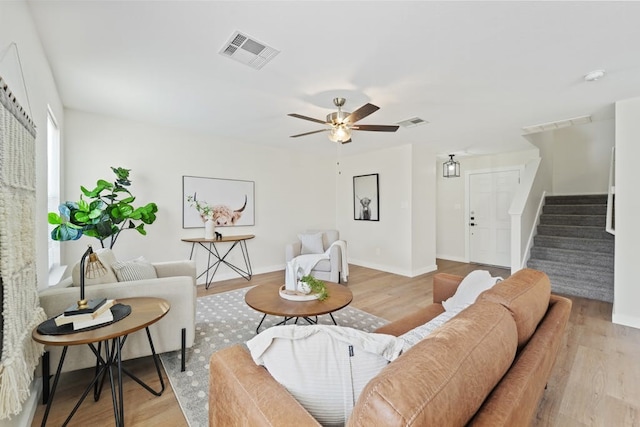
[(324, 367), (136, 269), (107, 258), (311, 243), (471, 286)]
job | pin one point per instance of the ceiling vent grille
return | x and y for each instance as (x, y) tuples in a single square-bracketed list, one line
[(248, 51), (542, 127), (412, 122)]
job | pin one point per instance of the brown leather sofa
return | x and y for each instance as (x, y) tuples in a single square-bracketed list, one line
[(488, 366)]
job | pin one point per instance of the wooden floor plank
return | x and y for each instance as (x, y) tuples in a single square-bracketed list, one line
[(595, 381)]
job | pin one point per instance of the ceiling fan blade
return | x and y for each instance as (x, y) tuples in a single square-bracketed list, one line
[(361, 113), (311, 119), (376, 128), (309, 133)]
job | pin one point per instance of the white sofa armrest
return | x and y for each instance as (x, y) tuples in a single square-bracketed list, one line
[(175, 268)]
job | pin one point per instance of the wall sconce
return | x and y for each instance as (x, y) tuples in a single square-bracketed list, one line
[(451, 168)]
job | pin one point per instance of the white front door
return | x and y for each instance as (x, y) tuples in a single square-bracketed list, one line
[(490, 196)]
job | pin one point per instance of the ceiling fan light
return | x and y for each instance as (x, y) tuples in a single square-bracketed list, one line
[(340, 133)]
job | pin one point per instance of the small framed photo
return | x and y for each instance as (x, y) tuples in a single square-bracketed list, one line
[(366, 198)]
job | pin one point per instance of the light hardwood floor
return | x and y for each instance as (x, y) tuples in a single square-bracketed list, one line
[(596, 380)]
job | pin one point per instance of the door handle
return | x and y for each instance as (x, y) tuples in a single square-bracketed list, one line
[(472, 224)]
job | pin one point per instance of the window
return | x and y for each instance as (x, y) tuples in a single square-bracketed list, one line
[(53, 186)]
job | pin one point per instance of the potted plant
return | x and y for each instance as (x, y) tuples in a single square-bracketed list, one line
[(103, 212), (315, 286)]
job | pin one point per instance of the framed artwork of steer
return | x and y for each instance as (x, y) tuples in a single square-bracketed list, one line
[(366, 198), (230, 202)]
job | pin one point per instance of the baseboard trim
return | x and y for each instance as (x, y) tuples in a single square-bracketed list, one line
[(392, 270), (633, 322), (452, 258), (219, 277)]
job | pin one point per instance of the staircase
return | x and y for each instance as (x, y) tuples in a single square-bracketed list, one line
[(573, 248)]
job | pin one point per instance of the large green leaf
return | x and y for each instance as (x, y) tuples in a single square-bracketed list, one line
[(66, 232), (83, 205), (54, 218)]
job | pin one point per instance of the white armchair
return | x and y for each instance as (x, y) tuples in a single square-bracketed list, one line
[(175, 331), (333, 269)]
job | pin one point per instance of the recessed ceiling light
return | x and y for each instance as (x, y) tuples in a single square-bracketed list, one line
[(594, 75)]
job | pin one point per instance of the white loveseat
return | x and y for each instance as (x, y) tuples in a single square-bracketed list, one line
[(175, 283)]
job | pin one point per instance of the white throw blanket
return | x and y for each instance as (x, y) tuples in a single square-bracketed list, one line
[(343, 255), (306, 262), (386, 346)]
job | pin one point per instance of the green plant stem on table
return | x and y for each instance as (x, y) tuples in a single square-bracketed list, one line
[(205, 211), (317, 286)]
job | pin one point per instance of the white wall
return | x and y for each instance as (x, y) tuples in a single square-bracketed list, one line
[(581, 157), (576, 158), (16, 26), (388, 244), (451, 224), (627, 291), (290, 196), (423, 210)]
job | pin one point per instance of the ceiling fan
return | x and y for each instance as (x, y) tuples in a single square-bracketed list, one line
[(342, 122)]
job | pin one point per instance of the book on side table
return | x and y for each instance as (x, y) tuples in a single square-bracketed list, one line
[(101, 315)]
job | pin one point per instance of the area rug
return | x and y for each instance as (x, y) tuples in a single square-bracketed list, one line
[(221, 321)]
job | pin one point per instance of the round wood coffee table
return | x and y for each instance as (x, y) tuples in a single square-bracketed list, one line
[(266, 299)]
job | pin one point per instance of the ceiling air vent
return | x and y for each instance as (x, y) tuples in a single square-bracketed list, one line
[(412, 122), (248, 51), (542, 127)]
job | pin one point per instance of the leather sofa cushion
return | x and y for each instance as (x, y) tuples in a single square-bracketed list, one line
[(444, 379), (526, 295)]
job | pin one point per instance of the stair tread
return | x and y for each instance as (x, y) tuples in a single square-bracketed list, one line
[(573, 215), (564, 264), (573, 238), (574, 251)]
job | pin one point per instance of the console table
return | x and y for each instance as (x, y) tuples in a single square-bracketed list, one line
[(210, 246)]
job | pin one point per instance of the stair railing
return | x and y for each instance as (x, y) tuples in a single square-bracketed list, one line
[(611, 195)]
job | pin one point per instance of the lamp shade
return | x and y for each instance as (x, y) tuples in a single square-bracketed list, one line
[(451, 168)]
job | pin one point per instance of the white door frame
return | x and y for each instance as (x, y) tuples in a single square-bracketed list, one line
[(467, 185)]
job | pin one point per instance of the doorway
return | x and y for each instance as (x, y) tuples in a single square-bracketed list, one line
[(489, 223)]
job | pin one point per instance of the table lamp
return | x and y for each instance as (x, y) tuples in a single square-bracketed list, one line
[(94, 268)]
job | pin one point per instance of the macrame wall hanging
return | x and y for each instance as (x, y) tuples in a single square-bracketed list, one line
[(21, 311)]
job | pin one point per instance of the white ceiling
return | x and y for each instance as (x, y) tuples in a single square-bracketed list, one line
[(476, 71)]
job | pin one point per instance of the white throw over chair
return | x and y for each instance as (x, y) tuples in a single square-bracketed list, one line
[(335, 268)]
